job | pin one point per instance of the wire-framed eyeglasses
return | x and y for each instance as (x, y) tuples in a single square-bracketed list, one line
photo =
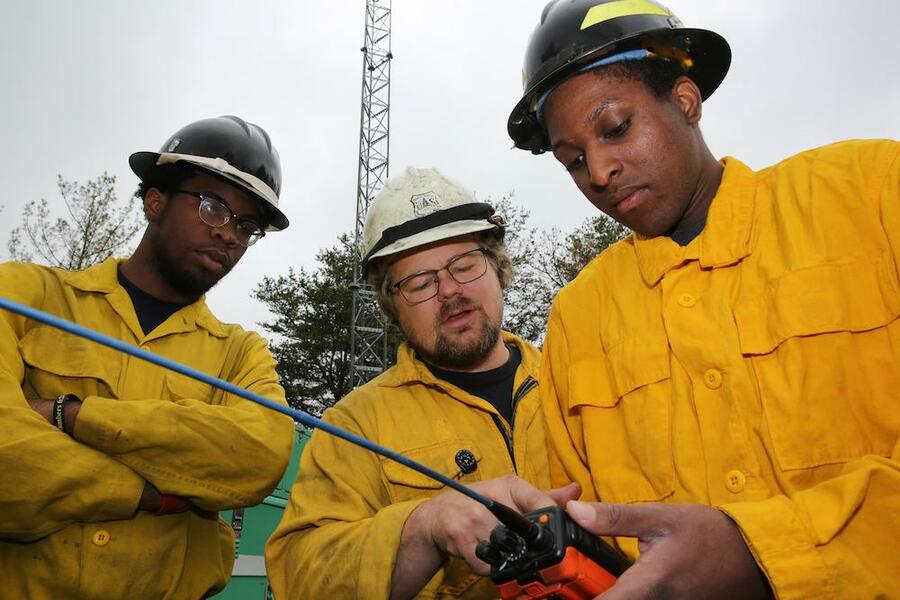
[(424, 285), (215, 212)]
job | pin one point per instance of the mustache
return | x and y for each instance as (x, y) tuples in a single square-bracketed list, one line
[(457, 305), (219, 253)]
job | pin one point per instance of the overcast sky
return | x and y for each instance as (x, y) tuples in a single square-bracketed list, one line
[(86, 83)]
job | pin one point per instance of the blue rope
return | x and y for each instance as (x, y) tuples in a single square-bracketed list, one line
[(299, 416)]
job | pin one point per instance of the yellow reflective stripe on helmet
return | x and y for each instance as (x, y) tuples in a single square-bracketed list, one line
[(621, 8)]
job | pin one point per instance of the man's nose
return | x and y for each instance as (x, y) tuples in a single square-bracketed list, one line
[(447, 286), (603, 165)]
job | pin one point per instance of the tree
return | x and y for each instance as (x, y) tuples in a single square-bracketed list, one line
[(312, 327), (561, 257), (97, 226), (524, 302), (545, 261)]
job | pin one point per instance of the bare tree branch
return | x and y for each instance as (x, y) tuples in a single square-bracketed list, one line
[(95, 226)]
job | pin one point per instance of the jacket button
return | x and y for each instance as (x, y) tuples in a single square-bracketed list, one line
[(735, 481), (466, 462), (686, 300), (100, 537), (712, 379)]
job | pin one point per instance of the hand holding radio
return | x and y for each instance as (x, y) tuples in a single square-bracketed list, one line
[(687, 551), (455, 523)]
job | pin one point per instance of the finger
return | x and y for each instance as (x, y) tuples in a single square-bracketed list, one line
[(603, 518), (478, 566), (563, 495), (527, 498), (634, 584)]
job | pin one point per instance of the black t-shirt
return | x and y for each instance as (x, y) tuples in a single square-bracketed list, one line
[(495, 385), (686, 234), (150, 310)]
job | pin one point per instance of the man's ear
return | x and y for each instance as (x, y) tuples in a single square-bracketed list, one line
[(154, 203), (687, 97)]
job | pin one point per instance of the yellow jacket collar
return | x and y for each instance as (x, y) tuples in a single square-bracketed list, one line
[(411, 369), (724, 240), (103, 279)]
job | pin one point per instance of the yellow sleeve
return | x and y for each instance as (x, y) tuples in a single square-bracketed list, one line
[(49, 479), (339, 535), (568, 454), (218, 456), (888, 196), (838, 539)]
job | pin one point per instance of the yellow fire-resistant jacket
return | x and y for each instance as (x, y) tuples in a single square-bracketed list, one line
[(69, 526), (756, 370), (340, 533)]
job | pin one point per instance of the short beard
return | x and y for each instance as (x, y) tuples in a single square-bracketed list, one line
[(454, 357), (180, 278)]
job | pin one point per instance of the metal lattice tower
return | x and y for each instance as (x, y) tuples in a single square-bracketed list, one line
[(368, 337)]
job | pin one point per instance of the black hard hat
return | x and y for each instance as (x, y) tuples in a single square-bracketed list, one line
[(575, 33), (229, 148)]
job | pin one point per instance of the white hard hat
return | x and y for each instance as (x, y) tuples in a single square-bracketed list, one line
[(419, 207)]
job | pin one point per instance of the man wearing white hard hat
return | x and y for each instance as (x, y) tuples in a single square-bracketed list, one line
[(114, 469), (461, 399)]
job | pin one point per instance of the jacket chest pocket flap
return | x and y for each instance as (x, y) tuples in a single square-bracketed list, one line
[(180, 387), (58, 362), (824, 345), (624, 403), (406, 484)]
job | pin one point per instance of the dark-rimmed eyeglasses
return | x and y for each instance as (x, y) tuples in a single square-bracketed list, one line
[(424, 285), (215, 212)]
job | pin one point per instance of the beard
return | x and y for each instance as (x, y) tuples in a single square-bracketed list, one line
[(457, 355), (192, 283)]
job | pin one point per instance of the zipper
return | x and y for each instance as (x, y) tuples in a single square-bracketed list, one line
[(529, 384)]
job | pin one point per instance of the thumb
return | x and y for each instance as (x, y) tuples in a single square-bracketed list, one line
[(603, 518), (565, 494), (582, 513)]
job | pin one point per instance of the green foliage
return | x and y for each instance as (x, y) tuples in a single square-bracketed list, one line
[(312, 327), (524, 303), (96, 226)]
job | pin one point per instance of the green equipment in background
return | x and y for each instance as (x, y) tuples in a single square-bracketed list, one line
[(252, 528)]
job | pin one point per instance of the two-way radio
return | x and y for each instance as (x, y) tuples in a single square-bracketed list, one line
[(543, 554)]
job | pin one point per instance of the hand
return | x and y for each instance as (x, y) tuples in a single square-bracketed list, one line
[(687, 551), (456, 523), (152, 500)]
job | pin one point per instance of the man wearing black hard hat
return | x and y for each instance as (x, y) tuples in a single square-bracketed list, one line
[(726, 380), (114, 469)]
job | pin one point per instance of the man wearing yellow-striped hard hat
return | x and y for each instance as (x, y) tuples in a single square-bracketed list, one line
[(725, 380)]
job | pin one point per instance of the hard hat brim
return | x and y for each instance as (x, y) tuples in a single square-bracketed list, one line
[(144, 163)]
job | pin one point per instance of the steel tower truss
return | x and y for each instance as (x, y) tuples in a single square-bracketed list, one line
[(368, 337)]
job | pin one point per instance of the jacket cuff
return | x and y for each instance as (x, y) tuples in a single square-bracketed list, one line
[(380, 548), (777, 536), (91, 426)]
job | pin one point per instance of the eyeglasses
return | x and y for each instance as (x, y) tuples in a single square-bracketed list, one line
[(215, 212), (424, 285)]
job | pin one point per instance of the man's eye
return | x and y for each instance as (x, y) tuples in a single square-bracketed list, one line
[(462, 265), (418, 284), (574, 164), (619, 130), (250, 227)]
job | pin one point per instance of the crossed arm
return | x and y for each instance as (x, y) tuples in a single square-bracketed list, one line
[(124, 455)]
